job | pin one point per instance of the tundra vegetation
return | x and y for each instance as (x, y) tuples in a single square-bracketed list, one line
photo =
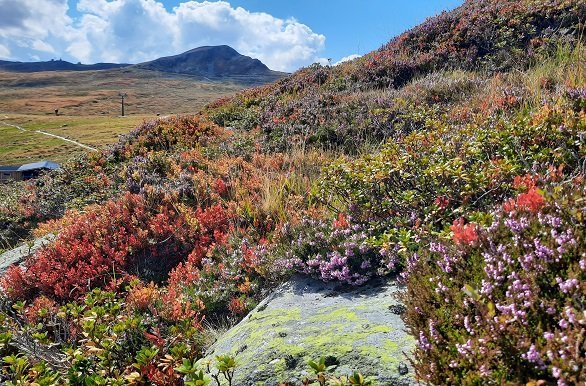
[(453, 157)]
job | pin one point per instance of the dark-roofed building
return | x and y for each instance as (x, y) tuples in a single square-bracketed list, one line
[(26, 171)]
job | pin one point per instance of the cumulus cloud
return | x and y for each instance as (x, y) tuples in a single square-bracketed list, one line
[(28, 27), (347, 58), (40, 45), (139, 30)]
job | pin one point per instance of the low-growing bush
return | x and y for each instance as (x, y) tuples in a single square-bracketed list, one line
[(427, 179), (124, 237), (503, 302), (336, 251)]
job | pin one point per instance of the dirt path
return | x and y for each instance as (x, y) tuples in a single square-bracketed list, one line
[(50, 135)]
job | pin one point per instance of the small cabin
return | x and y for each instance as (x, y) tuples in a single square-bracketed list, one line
[(26, 171)]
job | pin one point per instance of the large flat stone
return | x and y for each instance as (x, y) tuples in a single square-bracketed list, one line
[(20, 254), (306, 319)]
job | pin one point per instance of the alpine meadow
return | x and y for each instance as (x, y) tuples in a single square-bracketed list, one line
[(416, 215)]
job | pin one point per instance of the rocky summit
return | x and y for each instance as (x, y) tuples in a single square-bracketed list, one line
[(210, 62)]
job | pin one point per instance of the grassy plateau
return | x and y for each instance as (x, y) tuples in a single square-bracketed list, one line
[(89, 107)]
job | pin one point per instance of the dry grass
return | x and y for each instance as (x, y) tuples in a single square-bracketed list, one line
[(96, 92), (565, 69), (289, 188), (89, 107)]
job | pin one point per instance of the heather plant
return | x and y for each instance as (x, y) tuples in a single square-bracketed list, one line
[(337, 251), (496, 35), (427, 178), (502, 301), (164, 134)]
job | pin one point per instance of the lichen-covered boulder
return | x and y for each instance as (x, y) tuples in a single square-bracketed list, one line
[(357, 328)]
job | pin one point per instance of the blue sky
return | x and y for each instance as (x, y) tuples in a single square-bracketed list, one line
[(285, 34)]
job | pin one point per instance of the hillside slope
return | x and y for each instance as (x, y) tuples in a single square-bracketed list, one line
[(436, 159), (487, 36)]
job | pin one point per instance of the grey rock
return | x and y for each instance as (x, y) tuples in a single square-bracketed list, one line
[(20, 254), (306, 319)]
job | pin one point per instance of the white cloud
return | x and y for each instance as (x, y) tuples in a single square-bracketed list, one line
[(4, 52), (347, 58), (139, 30), (324, 61), (30, 27), (280, 44), (40, 45)]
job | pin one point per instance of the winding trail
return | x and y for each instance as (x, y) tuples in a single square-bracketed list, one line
[(51, 135)]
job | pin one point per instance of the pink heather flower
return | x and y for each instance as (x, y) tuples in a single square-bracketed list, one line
[(486, 288), (465, 348), (467, 325), (551, 310), (432, 331), (556, 372), (532, 355), (423, 342), (554, 222), (541, 251), (548, 335), (517, 226), (568, 285), (570, 314), (441, 287)]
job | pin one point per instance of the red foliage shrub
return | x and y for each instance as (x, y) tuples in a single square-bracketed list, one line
[(180, 308), (464, 234), (442, 202), (341, 222), (39, 308), (220, 187), (532, 201), (14, 283), (141, 296), (105, 243), (525, 182), (237, 306)]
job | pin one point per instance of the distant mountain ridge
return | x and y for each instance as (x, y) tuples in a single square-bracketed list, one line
[(213, 62), (55, 65)]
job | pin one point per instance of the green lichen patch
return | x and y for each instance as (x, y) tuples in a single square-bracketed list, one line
[(278, 339)]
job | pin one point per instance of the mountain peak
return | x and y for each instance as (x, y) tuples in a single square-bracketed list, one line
[(210, 62)]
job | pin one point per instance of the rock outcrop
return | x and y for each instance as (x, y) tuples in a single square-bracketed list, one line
[(20, 254), (357, 328)]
